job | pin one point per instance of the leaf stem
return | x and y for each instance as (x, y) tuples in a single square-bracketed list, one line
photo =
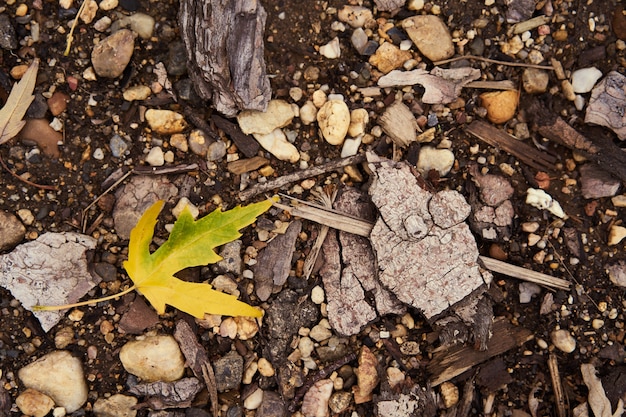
[(83, 303), (70, 36)]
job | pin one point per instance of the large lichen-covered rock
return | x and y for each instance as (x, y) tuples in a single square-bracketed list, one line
[(51, 270), (426, 254)]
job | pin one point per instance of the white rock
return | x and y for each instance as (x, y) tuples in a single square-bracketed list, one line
[(358, 122), (563, 340), (254, 400), (331, 50), (333, 119), (59, 375), (441, 160), (306, 347), (145, 359), (320, 332), (317, 295), (265, 368), (543, 201), (355, 16), (117, 405), (137, 92), (165, 122), (616, 234), (278, 114), (415, 5), (319, 98), (108, 4), (431, 36), (277, 144), (308, 113), (180, 206), (351, 146), (527, 290), (140, 23), (34, 403), (155, 157), (584, 79)]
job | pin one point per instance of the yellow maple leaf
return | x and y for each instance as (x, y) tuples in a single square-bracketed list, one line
[(191, 243)]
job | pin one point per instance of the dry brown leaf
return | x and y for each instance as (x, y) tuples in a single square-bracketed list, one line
[(18, 102)]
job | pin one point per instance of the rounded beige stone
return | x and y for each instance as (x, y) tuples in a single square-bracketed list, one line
[(333, 119), (155, 358), (45, 373)]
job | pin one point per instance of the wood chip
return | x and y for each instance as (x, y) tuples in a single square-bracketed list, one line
[(502, 140), (247, 165), (452, 361)]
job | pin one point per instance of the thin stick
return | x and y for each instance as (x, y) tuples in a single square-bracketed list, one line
[(493, 61), (25, 181), (300, 175), (115, 184), (524, 274), (557, 387), (361, 227), (327, 198)]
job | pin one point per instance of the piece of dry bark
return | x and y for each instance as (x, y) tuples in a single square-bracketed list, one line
[(596, 182), (451, 361), (51, 270), (600, 150), (245, 143), (607, 104), (246, 165), (274, 262), (349, 272), (224, 44), (399, 123), (412, 400), (441, 86), (197, 359), (532, 157), (426, 254), (161, 395)]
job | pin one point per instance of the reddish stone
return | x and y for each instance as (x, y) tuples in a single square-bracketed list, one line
[(58, 103)]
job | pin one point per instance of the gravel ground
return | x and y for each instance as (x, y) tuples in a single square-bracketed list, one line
[(104, 133)]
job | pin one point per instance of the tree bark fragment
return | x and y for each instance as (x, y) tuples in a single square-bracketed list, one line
[(224, 44)]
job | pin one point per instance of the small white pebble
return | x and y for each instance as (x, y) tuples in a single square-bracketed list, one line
[(98, 154), (254, 400), (248, 274), (317, 295)]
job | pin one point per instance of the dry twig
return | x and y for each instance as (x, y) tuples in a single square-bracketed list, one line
[(340, 221), (300, 175)]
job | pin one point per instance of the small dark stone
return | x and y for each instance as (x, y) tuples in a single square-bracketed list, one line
[(271, 406), (228, 371), (38, 108), (105, 271), (130, 5), (8, 38), (177, 59), (196, 412)]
